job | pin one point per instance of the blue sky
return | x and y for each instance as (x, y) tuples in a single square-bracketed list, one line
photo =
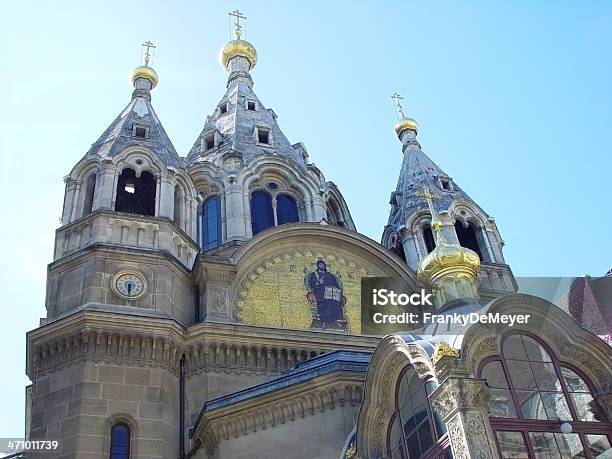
[(513, 100)]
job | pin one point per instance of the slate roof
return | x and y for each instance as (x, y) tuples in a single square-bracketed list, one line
[(237, 128), (417, 171), (320, 365), (119, 135)]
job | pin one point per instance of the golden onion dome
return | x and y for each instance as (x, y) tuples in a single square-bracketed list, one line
[(238, 48), (448, 259), (144, 71), (406, 123)]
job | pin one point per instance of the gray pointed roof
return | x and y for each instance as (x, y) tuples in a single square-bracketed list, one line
[(418, 170), (236, 128), (121, 134)]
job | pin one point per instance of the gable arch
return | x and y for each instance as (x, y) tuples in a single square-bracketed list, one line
[(391, 357), (274, 284), (139, 159)]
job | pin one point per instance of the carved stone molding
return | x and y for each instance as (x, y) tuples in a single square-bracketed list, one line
[(460, 394), (463, 404)]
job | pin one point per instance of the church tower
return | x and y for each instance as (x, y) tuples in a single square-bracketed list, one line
[(129, 214), (242, 158), (462, 221)]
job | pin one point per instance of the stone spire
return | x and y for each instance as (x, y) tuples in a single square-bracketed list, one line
[(419, 171), (241, 124), (138, 124), (453, 218)]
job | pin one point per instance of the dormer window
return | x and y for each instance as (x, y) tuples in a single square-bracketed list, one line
[(263, 136), (446, 184), (251, 105), (139, 131), (223, 108), (209, 142)]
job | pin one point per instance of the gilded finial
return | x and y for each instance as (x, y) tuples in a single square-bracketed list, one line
[(398, 105), (238, 47), (145, 71), (146, 49), (404, 121), (238, 29)]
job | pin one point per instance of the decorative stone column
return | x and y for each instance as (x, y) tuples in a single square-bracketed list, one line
[(462, 402), (105, 186), (447, 222), (319, 208), (487, 243), (74, 213), (411, 248), (193, 216), (166, 194), (68, 199), (235, 212)]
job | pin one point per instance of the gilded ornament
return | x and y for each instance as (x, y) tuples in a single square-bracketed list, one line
[(444, 350)]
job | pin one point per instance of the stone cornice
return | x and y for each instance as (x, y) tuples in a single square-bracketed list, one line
[(113, 336)]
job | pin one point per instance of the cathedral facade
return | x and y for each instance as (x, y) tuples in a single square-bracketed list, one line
[(209, 306)]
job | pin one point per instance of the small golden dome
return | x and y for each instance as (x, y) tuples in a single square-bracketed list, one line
[(406, 123), (449, 259), (144, 71), (238, 48)]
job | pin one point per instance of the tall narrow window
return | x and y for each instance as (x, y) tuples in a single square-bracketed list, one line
[(211, 223), (90, 188), (136, 194), (262, 214), (428, 236), (412, 431), (286, 209), (467, 237), (120, 441)]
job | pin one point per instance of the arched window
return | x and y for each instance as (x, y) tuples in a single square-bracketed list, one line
[(262, 214), (532, 393), (413, 432), (334, 214), (467, 237), (286, 209), (90, 188), (120, 441), (428, 236), (211, 223), (136, 194)]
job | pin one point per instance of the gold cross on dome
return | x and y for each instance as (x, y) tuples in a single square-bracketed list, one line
[(146, 48), (238, 15), (398, 105), (426, 194)]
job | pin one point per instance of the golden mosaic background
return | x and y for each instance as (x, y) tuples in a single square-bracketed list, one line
[(274, 293)]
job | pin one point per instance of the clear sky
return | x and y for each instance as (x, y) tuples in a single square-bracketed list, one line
[(513, 99)]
